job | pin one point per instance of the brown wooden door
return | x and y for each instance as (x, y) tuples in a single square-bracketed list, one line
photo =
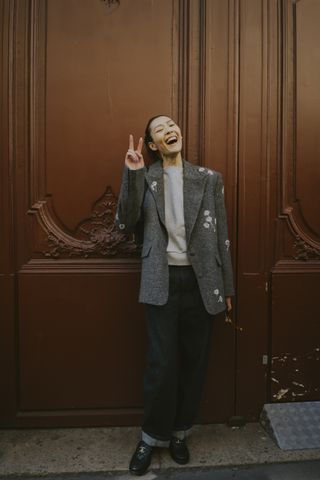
[(78, 76), (278, 200), (295, 277)]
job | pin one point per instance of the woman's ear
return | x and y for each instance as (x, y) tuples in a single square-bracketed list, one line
[(152, 146)]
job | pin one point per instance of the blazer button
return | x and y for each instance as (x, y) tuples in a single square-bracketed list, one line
[(200, 275)]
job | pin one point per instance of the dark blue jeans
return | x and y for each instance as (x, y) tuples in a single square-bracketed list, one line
[(179, 340)]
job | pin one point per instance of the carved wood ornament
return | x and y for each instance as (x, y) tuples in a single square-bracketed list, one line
[(111, 4), (304, 251), (96, 236)]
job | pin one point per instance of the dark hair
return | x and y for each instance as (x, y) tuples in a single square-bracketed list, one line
[(147, 137)]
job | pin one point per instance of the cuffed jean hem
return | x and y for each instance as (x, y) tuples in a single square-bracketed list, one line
[(152, 441), (182, 434), (155, 442)]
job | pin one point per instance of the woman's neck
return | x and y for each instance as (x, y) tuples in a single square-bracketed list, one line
[(172, 161)]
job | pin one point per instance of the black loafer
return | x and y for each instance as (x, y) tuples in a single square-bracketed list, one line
[(141, 458), (179, 451)]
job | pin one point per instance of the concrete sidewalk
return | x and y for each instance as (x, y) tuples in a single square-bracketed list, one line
[(100, 450)]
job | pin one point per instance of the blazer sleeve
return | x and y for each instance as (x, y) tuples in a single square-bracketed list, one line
[(223, 239), (130, 201)]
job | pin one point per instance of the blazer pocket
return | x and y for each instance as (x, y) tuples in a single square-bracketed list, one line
[(146, 249), (218, 259)]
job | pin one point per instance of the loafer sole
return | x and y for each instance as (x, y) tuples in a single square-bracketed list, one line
[(180, 461), (139, 472)]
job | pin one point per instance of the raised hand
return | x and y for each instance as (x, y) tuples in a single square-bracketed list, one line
[(134, 158)]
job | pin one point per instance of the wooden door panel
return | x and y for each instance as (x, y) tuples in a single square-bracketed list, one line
[(82, 341), (295, 311), (80, 334), (89, 73), (7, 278), (256, 137), (81, 330), (107, 72), (300, 146), (307, 80), (295, 337), (278, 222)]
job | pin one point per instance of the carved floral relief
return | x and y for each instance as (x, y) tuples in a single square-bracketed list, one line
[(96, 236)]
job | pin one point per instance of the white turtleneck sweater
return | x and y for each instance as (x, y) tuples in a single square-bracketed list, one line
[(174, 215)]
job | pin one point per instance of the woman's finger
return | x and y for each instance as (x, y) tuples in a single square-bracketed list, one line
[(131, 145), (139, 148)]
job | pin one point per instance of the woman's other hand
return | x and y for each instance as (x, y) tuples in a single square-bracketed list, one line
[(134, 158), (229, 304)]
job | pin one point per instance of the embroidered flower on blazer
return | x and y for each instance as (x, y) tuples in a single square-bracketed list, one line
[(227, 244), (216, 292), (208, 220), (154, 186), (206, 170)]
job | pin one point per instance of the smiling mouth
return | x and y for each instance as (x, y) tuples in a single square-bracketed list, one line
[(171, 140)]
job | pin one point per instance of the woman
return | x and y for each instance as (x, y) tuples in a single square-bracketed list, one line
[(186, 279)]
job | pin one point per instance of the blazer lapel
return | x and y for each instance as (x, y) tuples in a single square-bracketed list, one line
[(154, 178), (194, 182)]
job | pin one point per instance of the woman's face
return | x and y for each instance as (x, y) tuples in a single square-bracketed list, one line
[(166, 136)]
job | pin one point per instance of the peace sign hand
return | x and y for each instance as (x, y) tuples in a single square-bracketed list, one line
[(134, 159)]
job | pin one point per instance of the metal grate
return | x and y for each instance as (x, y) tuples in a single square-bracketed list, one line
[(293, 425)]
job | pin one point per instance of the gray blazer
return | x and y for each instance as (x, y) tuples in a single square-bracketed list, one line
[(208, 247)]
